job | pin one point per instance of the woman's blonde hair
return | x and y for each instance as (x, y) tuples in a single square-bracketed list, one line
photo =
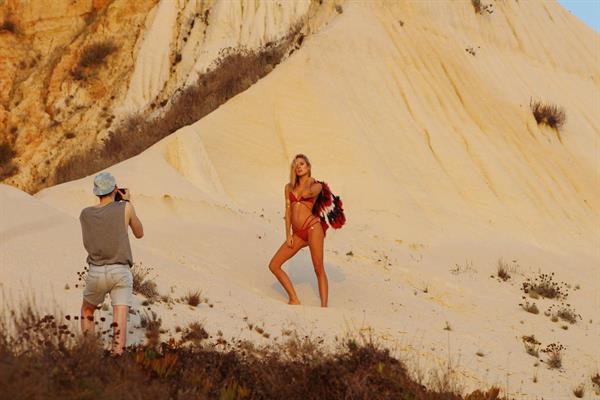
[(293, 176)]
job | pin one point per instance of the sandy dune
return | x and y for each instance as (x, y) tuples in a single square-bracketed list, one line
[(442, 170)]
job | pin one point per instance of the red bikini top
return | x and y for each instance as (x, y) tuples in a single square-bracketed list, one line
[(293, 198)]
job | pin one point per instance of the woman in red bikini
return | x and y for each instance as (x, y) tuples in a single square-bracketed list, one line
[(307, 229)]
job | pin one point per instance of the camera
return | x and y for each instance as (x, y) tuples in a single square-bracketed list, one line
[(118, 196)]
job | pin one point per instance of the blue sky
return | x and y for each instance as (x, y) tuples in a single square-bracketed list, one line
[(586, 10)]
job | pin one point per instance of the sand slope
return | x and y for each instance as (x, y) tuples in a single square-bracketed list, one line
[(442, 170)]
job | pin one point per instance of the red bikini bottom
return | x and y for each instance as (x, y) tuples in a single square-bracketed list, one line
[(310, 221)]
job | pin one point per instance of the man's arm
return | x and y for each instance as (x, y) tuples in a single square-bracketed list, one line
[(133, 221)]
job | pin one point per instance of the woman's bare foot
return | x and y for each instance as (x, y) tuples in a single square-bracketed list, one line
[(294, 302)]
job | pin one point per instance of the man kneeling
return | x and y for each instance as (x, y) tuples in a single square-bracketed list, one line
[(104, 228)]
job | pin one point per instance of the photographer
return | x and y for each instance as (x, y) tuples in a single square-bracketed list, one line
[(104, 228)]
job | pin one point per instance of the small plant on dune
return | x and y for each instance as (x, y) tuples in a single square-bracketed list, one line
[(194, 333), (152, 324), (503, 270), (481, 8), (564, 312), (596, 380), (554, 353), (531, 345), (193, 298), (545, 286), (339, 9), (548, 114), (142, 284), (579, 391), (529, 307)]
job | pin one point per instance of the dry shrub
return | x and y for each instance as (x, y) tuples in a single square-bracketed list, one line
[(503, 270), (8, 26), (545, 286), (564, 312), (95, 54), (7, 166), (142, 284), (152, 324), (554, 353), (194, 334), (532, 346), (549, 114), (596, 380), (476, 6), (235, 71), (530, 307), (193, 298), (579, 391)]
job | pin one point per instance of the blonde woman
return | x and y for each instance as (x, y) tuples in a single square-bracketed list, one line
[(303, 227)]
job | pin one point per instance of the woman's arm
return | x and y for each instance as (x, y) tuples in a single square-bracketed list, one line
[(288, 214), (315, 188)]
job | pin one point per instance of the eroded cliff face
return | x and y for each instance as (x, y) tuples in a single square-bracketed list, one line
[(72, 72)]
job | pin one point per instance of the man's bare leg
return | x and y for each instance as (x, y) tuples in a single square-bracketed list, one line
[(87, 317), (120, 329)]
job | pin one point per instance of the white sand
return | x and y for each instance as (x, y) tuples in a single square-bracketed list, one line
[(439, 162)]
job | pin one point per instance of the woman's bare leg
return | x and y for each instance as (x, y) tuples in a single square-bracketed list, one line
[(316, 238), (282, 255)]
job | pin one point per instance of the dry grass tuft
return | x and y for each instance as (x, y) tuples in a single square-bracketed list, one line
[(8, 26), (193, 298), (532, 346), (548, 114), (529, 307), (579, 391), (503, 270), (7, 166), (142, 284), (96, 53), (554, 353), (544, 285)]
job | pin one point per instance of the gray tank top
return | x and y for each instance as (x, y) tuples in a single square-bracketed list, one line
[(105, 235)]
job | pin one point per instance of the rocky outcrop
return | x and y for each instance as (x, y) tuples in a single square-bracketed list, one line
[(74, 74)]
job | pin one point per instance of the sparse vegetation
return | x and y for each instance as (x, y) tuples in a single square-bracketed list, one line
[(532, 346), (193, 298), (579, 391), (8, 26), (7, 166), (548, 114), (142, 284), (564, 312), (339, 9), (545, 286), (596, 380), (92, 56), (43, 358), (95, 54), (481, 8), (529, 307), (554, 353), (503, 270)]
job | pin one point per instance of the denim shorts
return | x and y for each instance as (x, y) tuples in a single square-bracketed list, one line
[(115, 279)]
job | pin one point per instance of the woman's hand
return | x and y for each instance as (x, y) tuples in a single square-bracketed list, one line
[(290, 241)]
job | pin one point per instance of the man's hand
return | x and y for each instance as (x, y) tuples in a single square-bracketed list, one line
[(125, 194)]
